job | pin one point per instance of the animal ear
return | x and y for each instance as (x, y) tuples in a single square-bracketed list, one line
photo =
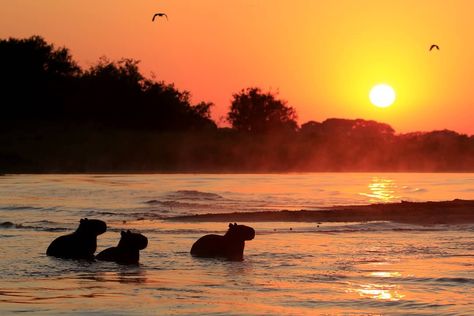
[(129, 232), (235, 224), (82, 220), (230, 225), (122, 233)]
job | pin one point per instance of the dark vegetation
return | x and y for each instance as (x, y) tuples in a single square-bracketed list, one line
[(58, 117)]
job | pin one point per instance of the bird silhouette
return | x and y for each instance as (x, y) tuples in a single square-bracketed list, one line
[(160, 15), (434, 46)]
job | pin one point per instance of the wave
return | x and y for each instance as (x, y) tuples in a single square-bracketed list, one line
[(7, 225), (409, 189), (364, 227), (171, 203), (453, 281), (188, 200), (193, 195), (38, 226), (131, 215), (20, 208)]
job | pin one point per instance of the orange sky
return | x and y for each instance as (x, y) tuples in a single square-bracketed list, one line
[(322, 56)]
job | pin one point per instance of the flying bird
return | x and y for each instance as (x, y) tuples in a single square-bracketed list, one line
[(160, 15), (434, 46)]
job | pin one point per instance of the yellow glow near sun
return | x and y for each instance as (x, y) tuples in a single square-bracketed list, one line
[(382, 95)]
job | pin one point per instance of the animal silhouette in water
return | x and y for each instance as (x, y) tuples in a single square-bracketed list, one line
[(230, 246), (81, 244), (159, 15), (127, 250), (434, 46)]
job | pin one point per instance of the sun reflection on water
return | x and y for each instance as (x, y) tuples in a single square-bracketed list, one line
[(385, 292), (385, 274), (382, 190), (378, 291)]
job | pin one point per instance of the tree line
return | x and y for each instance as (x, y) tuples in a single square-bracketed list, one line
[(58, 117)]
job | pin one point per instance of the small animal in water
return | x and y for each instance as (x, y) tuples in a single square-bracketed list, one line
[(127, 250), (230, 246), (81, 244)]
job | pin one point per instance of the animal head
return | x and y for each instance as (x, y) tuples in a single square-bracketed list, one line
[(133, 240), (92, 226), (241, 231)]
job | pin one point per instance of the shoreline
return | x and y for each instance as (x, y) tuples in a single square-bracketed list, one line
[(420, 213)]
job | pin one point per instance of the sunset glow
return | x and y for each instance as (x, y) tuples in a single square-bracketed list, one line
[(323, 56)]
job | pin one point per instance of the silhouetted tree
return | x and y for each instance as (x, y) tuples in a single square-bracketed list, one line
[(435, 151), (371, 129), (34, 78), (108, 93), (168, 108), (33, 57), (116, 94), (343, 144), (254, 111), (311, 128)]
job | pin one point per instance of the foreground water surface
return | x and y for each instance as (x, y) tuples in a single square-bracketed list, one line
[(289, 268)]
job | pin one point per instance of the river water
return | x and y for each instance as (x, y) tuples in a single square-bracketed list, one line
[(289, 268)]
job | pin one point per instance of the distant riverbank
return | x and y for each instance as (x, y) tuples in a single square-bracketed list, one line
[(421, 213)]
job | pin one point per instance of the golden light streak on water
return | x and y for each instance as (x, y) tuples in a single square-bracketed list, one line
[(382, 190)]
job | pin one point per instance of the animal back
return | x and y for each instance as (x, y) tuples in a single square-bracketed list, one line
[(118, 255), (72, 247), (208, 246)]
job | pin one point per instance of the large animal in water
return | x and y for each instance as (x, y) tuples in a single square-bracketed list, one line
[(81, 244), (127, 250), (230, 246)]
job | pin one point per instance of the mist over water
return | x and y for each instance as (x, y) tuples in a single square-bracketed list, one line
[(289, 268)]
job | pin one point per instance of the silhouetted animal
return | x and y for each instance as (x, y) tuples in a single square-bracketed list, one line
[(160, 15), (434, 46), (230, 246), (127, 250), (81, 244)]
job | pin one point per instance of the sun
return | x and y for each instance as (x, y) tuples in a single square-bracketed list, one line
[(382, 95)]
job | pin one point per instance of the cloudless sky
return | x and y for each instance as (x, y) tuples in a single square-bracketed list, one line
[(322, 56)]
